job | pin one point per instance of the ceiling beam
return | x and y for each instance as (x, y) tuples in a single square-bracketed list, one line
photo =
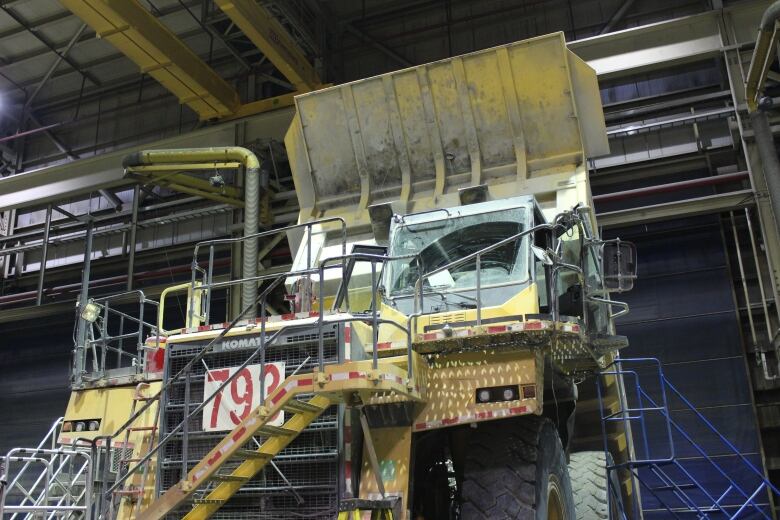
[(52, 48), (132, 29), (677, 209), (265, 31), (31, 54)]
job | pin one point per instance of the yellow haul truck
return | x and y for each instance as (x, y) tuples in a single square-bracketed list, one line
[(448, 294)]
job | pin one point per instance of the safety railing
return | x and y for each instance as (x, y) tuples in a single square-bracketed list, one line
[(266, 341), (203, 282), (669, 475), (553, 257), (113, 333), (51, 482), (208, 285)]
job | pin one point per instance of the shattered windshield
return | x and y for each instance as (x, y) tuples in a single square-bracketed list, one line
[(441, 242)]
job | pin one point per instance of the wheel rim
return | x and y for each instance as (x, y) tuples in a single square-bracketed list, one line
[(554, 502)]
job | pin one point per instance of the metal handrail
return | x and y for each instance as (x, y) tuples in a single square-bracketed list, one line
[(265, 342), (637, 413), (52, 479), (51, 434), (57, 458), (207, 286), (477, 256), (105, 339), (260, 351), (375, 320)]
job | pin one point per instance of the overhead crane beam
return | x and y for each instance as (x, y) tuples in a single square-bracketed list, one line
[(132, 29), (265, 31)]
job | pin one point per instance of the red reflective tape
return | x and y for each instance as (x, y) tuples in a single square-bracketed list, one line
[(575, 328), (518, 409), (347, 334), (421, 426), (282, 393), (214, 458), (533, 325), (287, 317), (484, 415), (238, 433), (451, 420), (496, 328), (305, 382), (429, 336), (314, 314), (348, 470), (354, 375), (201, 328), (384, 345), (348, 434)]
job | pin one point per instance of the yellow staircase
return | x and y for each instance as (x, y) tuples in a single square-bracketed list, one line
[(337, 384)]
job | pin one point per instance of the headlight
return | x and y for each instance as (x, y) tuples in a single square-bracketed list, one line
[(94, 425), (80, 426), (498, 394)]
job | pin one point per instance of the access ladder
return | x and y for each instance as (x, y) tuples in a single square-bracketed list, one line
[(336, 384)]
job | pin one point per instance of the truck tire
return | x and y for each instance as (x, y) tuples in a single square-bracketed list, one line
[(589, 485), (516, 468)]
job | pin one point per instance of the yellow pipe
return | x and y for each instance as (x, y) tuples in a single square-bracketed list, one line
[(252, 184), (760, 62), (192, 155)]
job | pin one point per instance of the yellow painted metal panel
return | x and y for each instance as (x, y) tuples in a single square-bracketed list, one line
[(453, 383), (393, 450), (501, 116), (111, 405), (132, 29), (272, 39)]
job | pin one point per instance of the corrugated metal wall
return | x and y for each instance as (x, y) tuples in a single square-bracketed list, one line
[(34, 387), (683, 312)]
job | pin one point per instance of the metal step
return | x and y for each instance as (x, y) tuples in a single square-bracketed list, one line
[(295, 406), (207, 501), (141, 428), (250, 454), (228, 478), (673, 488), (276, 430), (133, 491), (604, 343)]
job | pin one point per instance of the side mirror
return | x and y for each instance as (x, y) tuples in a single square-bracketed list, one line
[(542, 255), (619, 264)]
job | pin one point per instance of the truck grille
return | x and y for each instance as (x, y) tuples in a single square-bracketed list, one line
[(310, 464)]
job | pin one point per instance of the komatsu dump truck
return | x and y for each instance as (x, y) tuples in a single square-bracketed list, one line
[(449, 306)]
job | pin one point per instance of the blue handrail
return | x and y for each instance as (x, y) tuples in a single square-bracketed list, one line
[(637, 414)]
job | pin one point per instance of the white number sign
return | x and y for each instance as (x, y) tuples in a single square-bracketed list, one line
[(242, 395)]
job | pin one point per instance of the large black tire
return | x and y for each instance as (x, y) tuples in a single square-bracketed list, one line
[(587, 470), (510, 470)]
